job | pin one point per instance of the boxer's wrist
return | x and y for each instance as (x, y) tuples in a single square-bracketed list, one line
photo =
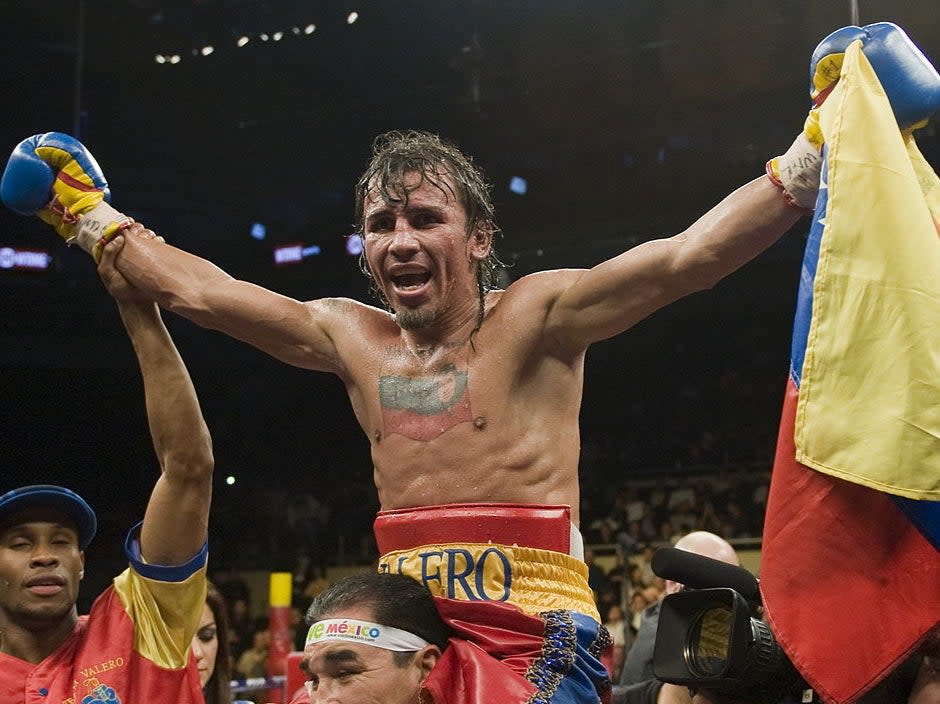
[(97, 227), (796, 172)]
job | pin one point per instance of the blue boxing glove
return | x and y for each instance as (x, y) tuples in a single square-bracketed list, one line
[(909, 80), (54, 176)]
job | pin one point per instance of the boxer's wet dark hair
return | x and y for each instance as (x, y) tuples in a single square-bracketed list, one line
[(396, 601), (395, 155)]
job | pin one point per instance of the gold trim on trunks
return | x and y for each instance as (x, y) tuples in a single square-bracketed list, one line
[(534, 580)]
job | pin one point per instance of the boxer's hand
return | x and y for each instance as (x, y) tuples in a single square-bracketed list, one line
[(54, 176), (797, 171), (114, 281), (910, 82)]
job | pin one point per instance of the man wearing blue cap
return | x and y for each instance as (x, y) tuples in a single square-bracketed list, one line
[(134, 645)]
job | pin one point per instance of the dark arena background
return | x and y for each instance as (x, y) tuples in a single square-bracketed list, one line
[(600, 124)]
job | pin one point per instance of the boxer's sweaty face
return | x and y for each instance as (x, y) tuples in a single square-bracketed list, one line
[(419, 253)]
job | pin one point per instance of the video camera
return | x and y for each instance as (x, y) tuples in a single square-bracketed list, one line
[(710, 635)]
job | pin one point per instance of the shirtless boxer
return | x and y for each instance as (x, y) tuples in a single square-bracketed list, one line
[(469, 395)]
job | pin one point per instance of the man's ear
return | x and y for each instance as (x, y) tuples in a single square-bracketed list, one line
[(81, 573), (426, 658), (480, 243)]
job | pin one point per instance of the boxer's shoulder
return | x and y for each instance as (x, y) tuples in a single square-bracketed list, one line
[(346, 318), (541, 285), (526, 302)]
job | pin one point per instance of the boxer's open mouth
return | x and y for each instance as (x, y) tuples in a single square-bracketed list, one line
[(411, 282)]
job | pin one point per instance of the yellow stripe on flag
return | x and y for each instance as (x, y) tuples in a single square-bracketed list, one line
[(869, 405)]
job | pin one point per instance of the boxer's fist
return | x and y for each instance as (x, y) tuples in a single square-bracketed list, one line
[(53, 176), (797, 171), (825, 68), (910, 82)]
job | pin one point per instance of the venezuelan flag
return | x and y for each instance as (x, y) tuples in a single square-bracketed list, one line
[(850, 572)]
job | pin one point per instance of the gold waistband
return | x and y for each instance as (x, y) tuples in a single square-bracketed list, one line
[(533, 580)]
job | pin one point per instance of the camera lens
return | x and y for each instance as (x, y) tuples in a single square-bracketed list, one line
[(706, 649)]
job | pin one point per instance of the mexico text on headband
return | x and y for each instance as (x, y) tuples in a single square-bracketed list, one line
[(354, 631)]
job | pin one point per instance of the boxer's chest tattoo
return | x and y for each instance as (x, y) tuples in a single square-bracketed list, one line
[(422, 400), (425, 396)]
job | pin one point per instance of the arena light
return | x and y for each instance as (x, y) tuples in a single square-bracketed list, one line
[(258, 230), (295, 30), (242, 40), (518, 185), (175, 59), (160, 59), (277, 36), (230, 480), (352, 17), (353, 245), (310, 29), (264, 37), (206, 50)]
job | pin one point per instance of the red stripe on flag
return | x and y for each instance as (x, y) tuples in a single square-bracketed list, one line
[(850, 586)]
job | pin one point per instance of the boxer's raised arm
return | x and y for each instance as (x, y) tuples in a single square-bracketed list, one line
[(618, 293), (287, 329), (176, 521), (55, 177)]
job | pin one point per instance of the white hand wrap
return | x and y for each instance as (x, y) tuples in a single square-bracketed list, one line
[(100, 221), (797, 172)]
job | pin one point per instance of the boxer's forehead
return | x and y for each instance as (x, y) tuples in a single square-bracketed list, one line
[(436, 187)]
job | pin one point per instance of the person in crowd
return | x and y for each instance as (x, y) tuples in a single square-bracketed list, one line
[(211, 651), (645, 563), (597, 575), (241, 625), (638, 604), (253, 662), (617, 627), (134, 645)]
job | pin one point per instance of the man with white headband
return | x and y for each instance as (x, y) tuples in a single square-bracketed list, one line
[(372, 638)]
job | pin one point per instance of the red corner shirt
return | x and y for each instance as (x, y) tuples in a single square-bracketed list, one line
[(132, 648)]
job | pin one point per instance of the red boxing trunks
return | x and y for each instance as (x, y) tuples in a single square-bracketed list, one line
[(525, 626)]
